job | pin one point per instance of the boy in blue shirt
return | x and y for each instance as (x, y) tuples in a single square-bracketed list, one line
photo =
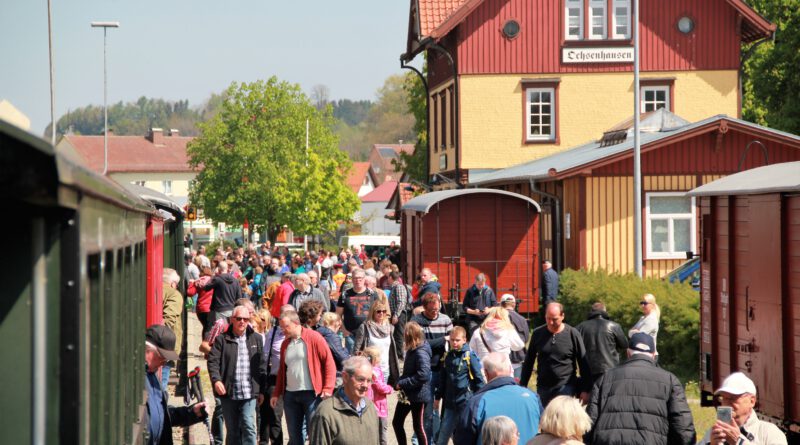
[(460, 376)]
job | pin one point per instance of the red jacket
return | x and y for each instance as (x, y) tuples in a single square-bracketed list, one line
[(320, 364), (203, 296)]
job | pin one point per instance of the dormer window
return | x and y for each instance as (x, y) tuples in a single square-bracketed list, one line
[(597, 20)]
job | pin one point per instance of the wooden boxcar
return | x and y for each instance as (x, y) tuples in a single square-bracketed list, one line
[(459, 233), (750, 286)]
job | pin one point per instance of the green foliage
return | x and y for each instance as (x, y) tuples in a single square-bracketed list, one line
[(771, 78), (253, 165), (136, 118), (387, 121), (351, 112), (416, 165), (678, 335)]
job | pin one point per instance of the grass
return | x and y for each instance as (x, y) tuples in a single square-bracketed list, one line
[(703, 417)]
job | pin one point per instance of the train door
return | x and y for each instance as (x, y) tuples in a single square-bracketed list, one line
[(155, 270), (759, 337)]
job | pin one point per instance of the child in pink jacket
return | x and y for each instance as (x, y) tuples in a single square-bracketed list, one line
[(378, 391)]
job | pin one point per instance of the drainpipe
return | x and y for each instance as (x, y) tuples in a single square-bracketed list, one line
[(427, 111), (557, 241), (743, 59), (456, 98)]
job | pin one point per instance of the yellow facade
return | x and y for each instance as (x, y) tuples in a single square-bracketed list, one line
[(492, 120)]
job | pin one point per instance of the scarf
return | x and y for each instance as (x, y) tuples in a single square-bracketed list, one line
[(378, 330)]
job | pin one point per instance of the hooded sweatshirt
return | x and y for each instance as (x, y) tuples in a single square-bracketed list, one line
[(493, 337), (226, 292)]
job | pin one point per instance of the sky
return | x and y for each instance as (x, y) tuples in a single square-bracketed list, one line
[(189, 49)]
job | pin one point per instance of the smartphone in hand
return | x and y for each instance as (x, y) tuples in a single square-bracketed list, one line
[(724, 414)]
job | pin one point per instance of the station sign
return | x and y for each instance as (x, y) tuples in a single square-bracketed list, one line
[(617, 54)]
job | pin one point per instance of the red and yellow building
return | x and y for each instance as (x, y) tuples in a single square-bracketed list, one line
[(536, 97)]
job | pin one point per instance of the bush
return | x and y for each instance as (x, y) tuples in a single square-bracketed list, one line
[(679, 327), (214, 245)]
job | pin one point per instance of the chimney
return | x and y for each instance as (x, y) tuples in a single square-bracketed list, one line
[(174, 132), (400, 142), (156, 136)]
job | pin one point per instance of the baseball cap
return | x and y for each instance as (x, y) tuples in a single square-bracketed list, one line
[(642, 342), (737, 384), (163, 339), (507, 297)]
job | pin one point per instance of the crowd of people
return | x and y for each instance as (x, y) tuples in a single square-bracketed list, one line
[(322, 339)]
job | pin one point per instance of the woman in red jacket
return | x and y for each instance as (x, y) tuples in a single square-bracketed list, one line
[(203, 306)]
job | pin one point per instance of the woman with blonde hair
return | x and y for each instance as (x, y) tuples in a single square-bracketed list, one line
[(496, 334), (648, 323), (564, 422), (378, 331), (499, 430)]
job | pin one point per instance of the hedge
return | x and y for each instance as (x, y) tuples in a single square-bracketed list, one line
[(679, 328)]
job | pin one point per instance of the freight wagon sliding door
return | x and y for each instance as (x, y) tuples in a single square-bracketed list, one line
[(483, 233), (759, 317)]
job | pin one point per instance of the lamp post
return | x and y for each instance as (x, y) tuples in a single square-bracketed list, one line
[(105, 26)]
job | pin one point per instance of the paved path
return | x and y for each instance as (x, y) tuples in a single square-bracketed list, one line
[(198, 434)]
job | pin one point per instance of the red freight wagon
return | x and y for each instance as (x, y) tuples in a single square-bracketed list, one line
[(750, 281), (460, 233)]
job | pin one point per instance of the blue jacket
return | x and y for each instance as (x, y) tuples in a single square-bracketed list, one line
[(459, 377), (502, 396), (340, 354), (416, 378), (430, 286)]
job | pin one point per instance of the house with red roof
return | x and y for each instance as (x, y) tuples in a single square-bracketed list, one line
[(381, 157), (374, 211), (156, 161), (361, 178)]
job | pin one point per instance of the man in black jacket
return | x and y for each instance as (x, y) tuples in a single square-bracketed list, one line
[(226, 291), (638, 402), (601, 337), (238, 373), (477, 301)]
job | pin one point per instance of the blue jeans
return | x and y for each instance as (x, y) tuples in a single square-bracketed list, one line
[(548, 394), (297, 408), (240, 421), (350, 342), (217, 421), (448, 426)]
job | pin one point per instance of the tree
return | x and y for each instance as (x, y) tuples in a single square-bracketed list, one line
[(416, 165), (253, 165), (320, 96), (771, 75)]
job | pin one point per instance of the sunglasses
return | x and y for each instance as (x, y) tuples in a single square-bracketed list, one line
[(381, 311), (240, 318), (643, 303)]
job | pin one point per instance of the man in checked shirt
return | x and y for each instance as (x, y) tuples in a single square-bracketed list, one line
[(238, 372)]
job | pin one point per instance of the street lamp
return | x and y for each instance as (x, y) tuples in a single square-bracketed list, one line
[(105, 26)]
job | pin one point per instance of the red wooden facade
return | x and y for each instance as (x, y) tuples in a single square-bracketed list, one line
[(480, 46), (750, 297), (466, 232), (155, 271)]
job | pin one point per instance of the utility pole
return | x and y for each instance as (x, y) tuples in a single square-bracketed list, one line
[(105, 26), (637, 150)]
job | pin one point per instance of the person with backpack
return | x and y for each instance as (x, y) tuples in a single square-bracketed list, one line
[(461, 376), (257, 286)]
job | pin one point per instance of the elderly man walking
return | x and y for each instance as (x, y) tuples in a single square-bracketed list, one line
[(638, 402), (501, 396), (239, 375), (348, 417)]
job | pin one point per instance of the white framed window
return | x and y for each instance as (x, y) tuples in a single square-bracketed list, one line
[(139, 183), (621, 22), (654, 97), (670, 225), (540, 110), (597, 19), (573, 19), (167, 187)]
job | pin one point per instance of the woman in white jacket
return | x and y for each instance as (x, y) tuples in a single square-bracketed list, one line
[(648, 323), (496, 334)]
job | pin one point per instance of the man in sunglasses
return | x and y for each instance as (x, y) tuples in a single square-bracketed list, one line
[(239, 376)]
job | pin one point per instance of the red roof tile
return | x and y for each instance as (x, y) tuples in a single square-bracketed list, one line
[(433, 13), (356, 177), (133, 153), (381, 194)]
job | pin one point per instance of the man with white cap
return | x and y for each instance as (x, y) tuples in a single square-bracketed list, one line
[(638, 402), (739, 393), (509, 303)]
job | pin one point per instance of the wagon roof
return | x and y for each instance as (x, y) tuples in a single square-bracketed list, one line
[(784, 177), (424, 202)]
